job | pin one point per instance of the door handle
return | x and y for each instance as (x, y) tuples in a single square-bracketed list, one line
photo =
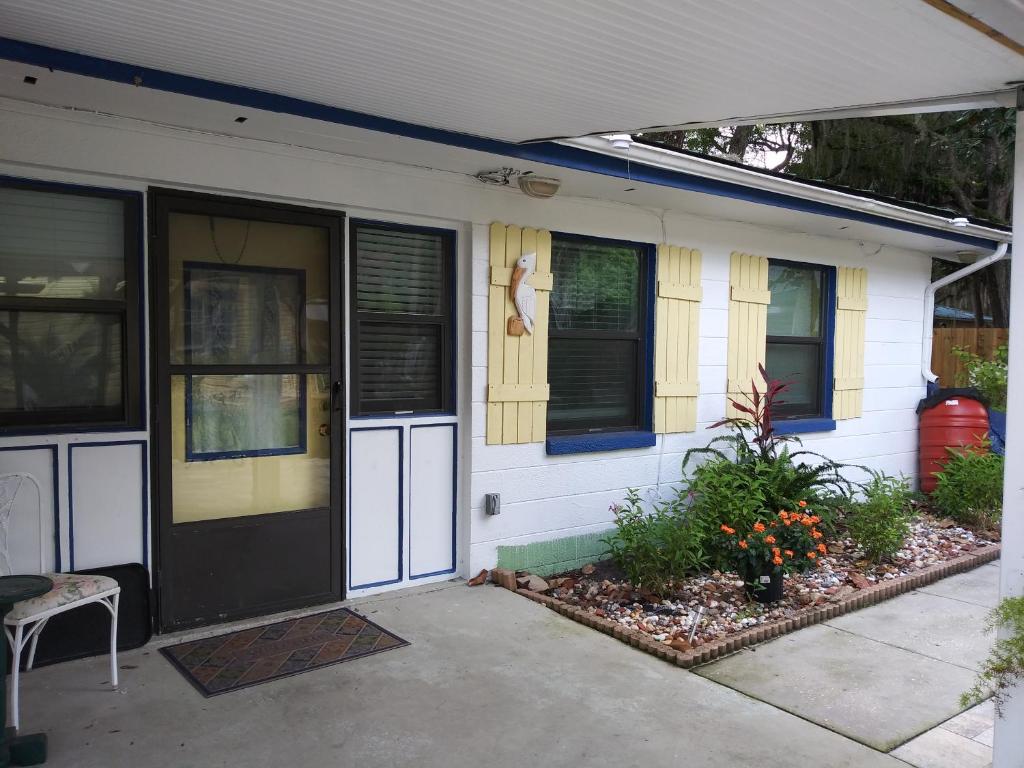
[(336, 390)]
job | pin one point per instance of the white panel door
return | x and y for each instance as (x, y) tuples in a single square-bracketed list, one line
[(431, 500), (375, 507), (108, 509), (32, 540)]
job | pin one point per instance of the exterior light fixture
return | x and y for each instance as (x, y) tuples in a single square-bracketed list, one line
[(538, 186), (620, 140), (959, 221)]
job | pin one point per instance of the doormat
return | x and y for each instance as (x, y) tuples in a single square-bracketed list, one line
[(216, 665)]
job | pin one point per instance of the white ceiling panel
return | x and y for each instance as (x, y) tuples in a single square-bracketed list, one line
[(528, 69)]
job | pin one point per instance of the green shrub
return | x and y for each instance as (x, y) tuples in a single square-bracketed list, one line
[(1005, 663), (969, 489), (987, 376), (756, 475), (880, 523), (654, 549)]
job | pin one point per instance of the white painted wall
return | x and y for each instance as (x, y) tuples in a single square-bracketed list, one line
[(543, 497), (548, 496)]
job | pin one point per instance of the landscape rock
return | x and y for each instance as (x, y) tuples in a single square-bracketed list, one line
[(504, 577), (479, 579), (532, 582)]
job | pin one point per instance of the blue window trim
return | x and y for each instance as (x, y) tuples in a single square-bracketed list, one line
[(548, 152), (825, 422), (188, 268), (593, 442), (599, 441), (801, 426)]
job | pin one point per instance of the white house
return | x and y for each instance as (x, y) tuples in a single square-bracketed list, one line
[(256, 335)]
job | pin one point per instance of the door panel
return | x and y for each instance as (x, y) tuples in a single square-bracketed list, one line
[(247, 358)]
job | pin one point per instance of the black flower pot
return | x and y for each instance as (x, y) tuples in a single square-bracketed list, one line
[(765, 587)]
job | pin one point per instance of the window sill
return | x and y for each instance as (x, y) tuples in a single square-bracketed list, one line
[(604, 441), (800, 426)]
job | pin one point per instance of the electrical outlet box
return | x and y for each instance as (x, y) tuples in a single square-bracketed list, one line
[(492, 503)]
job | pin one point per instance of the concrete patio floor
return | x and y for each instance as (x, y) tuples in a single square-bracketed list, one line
[(491, 679), (884, 675)]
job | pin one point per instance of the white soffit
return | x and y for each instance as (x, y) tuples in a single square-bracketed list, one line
[(539, 68)]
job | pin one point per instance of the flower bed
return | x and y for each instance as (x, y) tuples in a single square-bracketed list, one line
[(598, 595)]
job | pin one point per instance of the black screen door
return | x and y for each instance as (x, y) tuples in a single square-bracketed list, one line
[(248, 408)]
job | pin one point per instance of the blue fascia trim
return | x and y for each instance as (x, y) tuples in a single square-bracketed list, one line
[(800, 426), (547, 152), (607, 441), (55, 479)]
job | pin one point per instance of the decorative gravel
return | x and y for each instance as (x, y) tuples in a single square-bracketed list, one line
[(601, 590)]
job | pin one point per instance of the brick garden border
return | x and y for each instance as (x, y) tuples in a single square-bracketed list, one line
[(805, 617)]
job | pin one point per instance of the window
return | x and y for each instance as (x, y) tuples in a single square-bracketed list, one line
[(69, 307), (596, 336), (254, 314), (402, 306), (798, 331)]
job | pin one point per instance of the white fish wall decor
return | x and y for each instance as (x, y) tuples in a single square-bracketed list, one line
[(523, 295)]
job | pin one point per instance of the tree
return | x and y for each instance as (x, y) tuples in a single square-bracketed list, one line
[(958, 161)]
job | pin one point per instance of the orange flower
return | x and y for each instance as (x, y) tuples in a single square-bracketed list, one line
[(816, 533), (803, 504), (777, 560), (811, 555), (743, 544), (773, 523), (769, 539), (815, 519), (728, 530), (759, 527), (783, 514), (807, 520), (789, 553), (775, 550), (788, 522), (822, 548)]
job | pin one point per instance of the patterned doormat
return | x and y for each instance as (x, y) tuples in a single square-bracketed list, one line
[(225, 663)]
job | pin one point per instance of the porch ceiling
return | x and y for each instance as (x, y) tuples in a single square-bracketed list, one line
[(538, 69)]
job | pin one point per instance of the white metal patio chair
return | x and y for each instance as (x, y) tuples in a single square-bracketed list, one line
[(28, 618)]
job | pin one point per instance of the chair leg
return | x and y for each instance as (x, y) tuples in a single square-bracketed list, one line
[(16, 673), (37, 631), (113, 640)]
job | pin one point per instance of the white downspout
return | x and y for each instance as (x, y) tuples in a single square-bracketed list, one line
[(928, 331)]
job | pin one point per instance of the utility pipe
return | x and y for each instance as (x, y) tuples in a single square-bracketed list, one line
[(928, 332)]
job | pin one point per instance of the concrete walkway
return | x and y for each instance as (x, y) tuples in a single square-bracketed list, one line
[(491, 679), (884, 675)]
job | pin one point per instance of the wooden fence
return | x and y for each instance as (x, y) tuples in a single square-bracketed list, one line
[(981, 341)]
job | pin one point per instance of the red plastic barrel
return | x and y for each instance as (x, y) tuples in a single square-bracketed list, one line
[(949, 419)]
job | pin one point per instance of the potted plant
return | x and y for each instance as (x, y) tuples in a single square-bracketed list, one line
[(784, 542)]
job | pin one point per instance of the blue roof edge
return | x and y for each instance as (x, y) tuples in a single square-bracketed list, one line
[(548, 152)]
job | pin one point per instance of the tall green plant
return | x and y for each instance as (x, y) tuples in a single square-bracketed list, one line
[(880, 522), (969, 488), (987, 376), (654, 548), (1005, 663), (750, 473)]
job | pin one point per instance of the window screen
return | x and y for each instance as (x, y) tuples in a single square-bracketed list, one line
[(69, 307), (402, 319), (596, 336), (796, 339)]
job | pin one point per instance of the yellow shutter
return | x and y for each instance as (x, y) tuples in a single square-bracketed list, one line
[(748, 325), (676, 338), (851, 308), (517, 366)]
